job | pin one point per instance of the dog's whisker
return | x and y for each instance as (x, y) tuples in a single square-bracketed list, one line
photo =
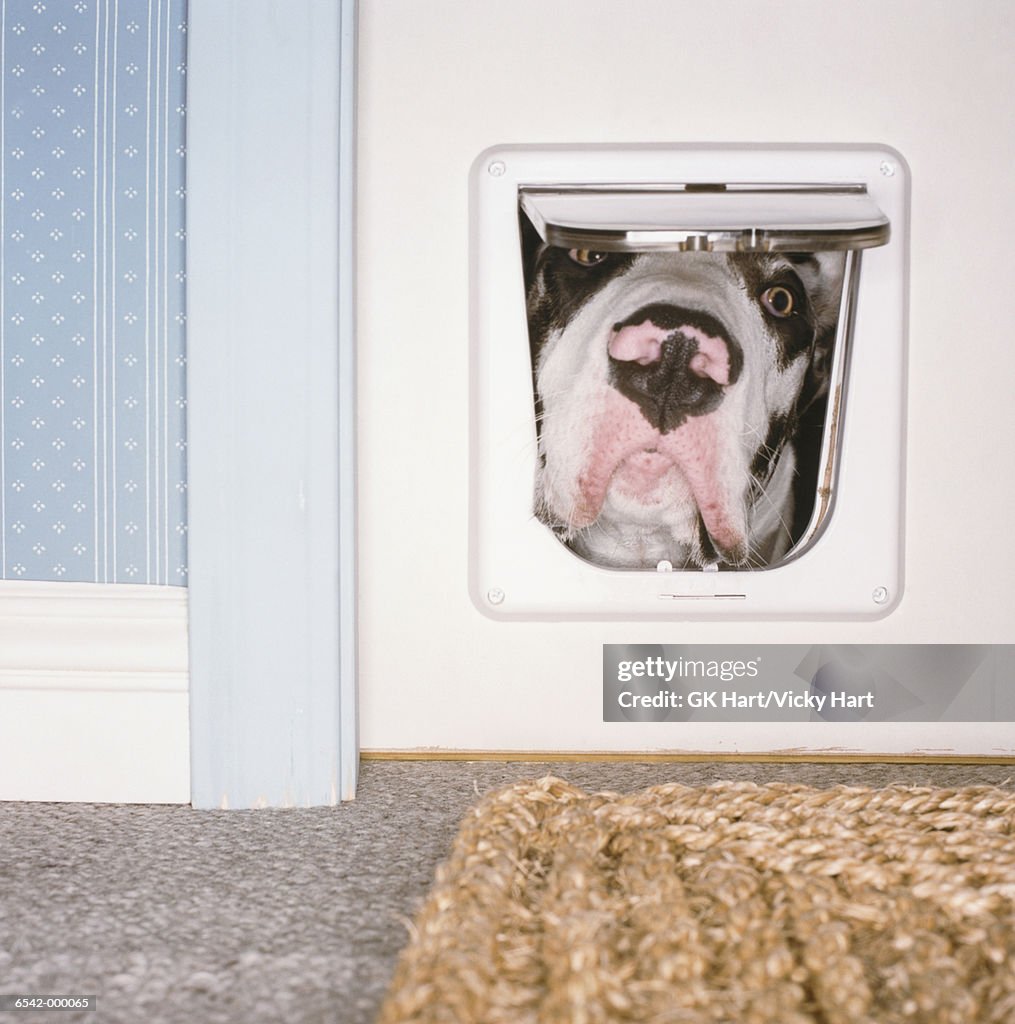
[(762, 492)]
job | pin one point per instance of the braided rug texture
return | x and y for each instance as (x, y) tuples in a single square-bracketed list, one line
[(735, 903)]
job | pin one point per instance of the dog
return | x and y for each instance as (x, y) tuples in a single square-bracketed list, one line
[(679, 400)]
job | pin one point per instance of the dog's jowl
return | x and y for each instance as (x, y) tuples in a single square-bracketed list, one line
[(680, 400)]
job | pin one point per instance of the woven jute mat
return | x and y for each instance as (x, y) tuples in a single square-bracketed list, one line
[(733, 903)]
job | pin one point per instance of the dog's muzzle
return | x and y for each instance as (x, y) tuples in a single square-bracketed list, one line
[(672, 363)]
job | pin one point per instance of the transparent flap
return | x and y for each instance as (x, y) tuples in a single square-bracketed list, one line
[(714, 217)]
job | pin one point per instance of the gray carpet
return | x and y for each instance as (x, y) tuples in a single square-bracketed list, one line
[(170, 914)]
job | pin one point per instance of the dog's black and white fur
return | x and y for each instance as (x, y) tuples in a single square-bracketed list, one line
[(679, 399)]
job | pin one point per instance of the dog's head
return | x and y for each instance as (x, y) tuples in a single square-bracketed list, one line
[(669, 391)]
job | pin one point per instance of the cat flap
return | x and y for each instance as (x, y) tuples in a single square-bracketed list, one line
[(706, 216)]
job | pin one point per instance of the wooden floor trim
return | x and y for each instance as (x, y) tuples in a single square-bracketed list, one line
[(542, 757)]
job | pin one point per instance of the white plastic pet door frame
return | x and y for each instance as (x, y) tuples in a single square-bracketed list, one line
[(270, 406), (634, 199)]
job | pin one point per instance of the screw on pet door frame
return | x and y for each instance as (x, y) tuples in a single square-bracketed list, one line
[(880, 595), (495, 595)]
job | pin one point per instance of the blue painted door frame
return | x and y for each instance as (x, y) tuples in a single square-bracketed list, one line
[(271, 402)]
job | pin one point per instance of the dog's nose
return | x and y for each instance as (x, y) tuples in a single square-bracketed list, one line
[(638, 343), (643, 344), (672, 364)]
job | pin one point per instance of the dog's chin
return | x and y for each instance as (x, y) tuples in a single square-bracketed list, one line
[(612, 547), (645, 544), (648, 514)]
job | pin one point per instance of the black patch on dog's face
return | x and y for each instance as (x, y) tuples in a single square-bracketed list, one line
[(807, 437), (765, 458), (795, 333), (566, 285), (705, 543)]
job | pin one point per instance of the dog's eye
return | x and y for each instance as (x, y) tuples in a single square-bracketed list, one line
[(586, 257), (779, 301)]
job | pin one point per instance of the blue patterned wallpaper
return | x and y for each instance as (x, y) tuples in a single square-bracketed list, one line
[(92, 363)]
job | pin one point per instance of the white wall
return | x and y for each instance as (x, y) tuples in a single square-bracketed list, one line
[(443, 80)]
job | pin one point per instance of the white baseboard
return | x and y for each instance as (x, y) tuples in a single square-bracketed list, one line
[(93, 693)]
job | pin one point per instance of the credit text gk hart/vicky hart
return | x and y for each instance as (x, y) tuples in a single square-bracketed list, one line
[(763, 700)]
